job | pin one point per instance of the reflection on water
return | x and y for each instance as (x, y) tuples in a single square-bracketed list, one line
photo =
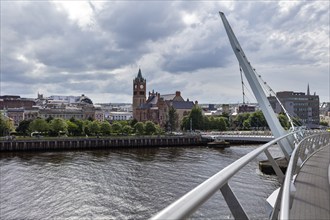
[(124, 184)]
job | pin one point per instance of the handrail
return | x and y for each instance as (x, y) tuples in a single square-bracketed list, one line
[(188, 203), (317, 143)]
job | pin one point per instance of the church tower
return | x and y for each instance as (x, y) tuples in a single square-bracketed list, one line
[(139, 93)]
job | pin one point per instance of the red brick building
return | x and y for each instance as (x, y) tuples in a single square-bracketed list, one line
[(156, 107)]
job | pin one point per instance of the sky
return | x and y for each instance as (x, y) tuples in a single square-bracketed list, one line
[(97, 47)]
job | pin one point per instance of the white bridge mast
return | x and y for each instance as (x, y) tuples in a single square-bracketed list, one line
[(261, 97)]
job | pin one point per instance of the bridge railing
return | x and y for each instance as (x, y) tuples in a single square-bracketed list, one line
[(191, 201), (303, 150)]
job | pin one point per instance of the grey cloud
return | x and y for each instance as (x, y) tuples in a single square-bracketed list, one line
[(195, 60), (134, 23)]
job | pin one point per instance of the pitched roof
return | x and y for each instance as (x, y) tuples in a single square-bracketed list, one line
[(168, 97), (182, 104)]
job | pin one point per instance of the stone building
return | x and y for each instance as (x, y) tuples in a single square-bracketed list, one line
[(156, 107)]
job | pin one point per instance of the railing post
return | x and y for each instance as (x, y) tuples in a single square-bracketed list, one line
[(235, 207)]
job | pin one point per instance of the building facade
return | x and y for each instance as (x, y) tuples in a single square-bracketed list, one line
[(306, 107), (156, 107)]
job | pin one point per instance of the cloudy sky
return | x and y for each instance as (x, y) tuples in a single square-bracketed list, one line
[(96, 47)]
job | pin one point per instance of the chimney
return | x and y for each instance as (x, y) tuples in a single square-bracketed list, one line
[(177, 93)]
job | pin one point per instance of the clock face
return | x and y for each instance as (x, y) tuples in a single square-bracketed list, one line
[(141, 86), (135, 86)]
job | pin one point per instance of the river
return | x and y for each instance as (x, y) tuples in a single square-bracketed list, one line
[(124, 184)]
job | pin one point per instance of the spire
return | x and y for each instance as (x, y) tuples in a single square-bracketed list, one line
[(308, 93), (139, 76)]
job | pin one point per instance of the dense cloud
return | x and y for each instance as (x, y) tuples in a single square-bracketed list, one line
[(96, 48)]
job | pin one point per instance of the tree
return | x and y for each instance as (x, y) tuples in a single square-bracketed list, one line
[(39, 125), (185, 123), (139, 128), (172, 119), (57, 125), (133, 122), (150, 127), (105, 128), (159, 130), (23, 127), (221, 124), (5, 126), (127, 129), (86, 127), (196, 116), (284, 121), (94, 127), (246, 124), (239, 120), (73, 128), (324, 123), (117, 127), (49, 119), (257, 120)]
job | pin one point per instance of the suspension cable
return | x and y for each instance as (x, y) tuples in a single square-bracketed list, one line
[(264, 84)]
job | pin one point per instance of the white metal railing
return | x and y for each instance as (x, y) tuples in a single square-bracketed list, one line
[(306, 148), (191, 201)]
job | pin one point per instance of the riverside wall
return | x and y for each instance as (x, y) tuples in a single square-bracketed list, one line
[(98, 143)]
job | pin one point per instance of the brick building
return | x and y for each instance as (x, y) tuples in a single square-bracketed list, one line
[(156, 107)]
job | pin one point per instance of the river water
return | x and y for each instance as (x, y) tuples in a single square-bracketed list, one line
[(124, 183)]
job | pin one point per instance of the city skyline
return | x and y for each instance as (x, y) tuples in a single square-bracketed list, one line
[(96, 48)]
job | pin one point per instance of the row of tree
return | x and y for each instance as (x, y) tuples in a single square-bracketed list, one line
[(244, 121), (193, 121), (74, 127)]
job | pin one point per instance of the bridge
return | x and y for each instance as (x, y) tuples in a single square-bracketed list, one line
[(239, 137), (305, 190), (305, 187)]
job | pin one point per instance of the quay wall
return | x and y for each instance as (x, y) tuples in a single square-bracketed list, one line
[(97, 143)]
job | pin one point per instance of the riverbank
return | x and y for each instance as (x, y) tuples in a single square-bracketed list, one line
[(98, 143)]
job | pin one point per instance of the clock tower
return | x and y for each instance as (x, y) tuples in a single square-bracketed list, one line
[(139, 93)]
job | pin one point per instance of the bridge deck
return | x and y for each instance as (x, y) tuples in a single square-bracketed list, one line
[(312, 198)]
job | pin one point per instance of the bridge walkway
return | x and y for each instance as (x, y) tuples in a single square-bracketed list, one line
[(312, 196)]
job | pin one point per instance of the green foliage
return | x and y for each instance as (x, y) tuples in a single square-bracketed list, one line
[(150, 128), (94, 127), (86, 127), (73, 128), (5, 126), (257, 120), (238, 121), (195, 119), (127, 129), (324, 123), (196, 116), (246, 124), (284, 121), (117, 127), (49, 119), (39, 125), (23, 127), (172, 122), (139, 128), (133, 122), (57, 125), (105, 128), (215, 123)]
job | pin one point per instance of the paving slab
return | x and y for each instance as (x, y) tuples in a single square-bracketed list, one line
[(312, 196)]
